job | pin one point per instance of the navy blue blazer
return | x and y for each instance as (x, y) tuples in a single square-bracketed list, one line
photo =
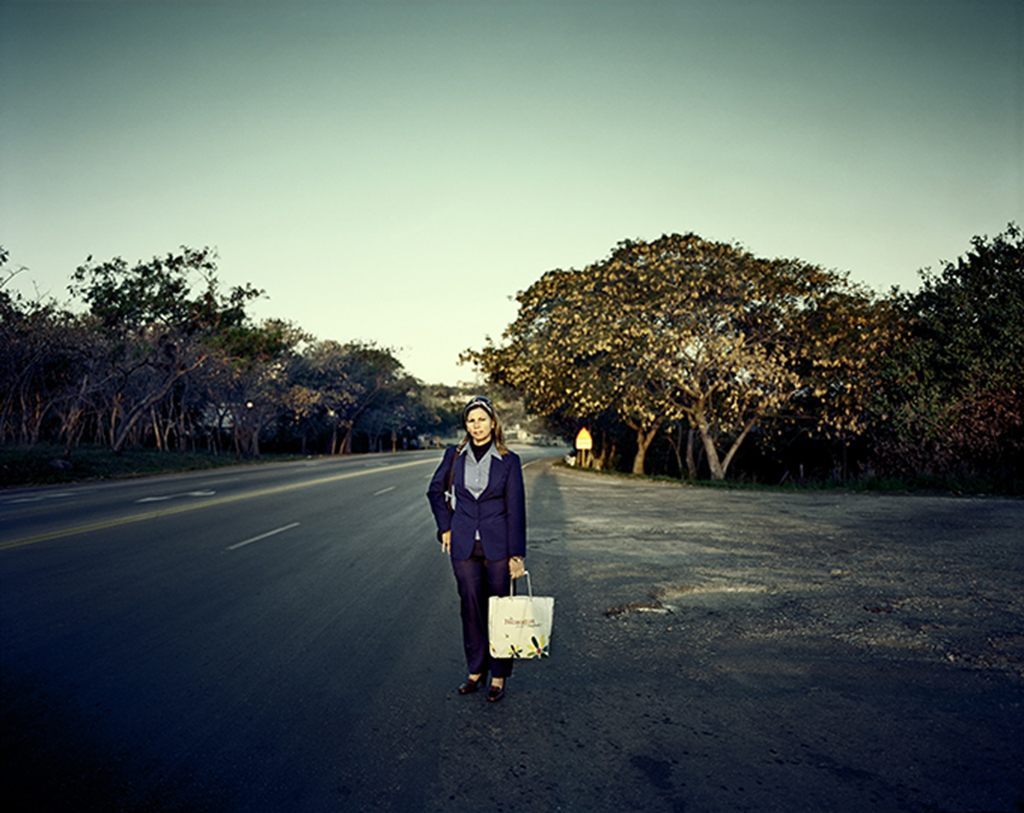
[(499, 514)]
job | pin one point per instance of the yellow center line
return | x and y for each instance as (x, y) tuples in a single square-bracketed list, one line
[(180, 509)]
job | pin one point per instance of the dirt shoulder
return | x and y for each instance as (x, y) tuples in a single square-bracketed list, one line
[(732, 650), (921, 579)]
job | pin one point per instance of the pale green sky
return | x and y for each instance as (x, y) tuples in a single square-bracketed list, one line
[(396, 171)]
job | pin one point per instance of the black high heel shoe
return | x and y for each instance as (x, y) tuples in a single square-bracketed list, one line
[(495, 693), (470, 685)]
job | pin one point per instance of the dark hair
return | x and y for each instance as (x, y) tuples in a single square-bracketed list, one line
[(498, 435)]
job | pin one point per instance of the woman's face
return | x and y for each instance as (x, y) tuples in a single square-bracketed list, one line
[(479, 425)]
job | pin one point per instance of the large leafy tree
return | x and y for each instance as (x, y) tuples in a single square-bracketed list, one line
[(684, 327), (47, 366), (954, 396), (161, 352), (163, 319), (344, 381), (249, 377)]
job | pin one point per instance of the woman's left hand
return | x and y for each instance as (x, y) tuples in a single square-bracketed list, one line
[(516, 568)]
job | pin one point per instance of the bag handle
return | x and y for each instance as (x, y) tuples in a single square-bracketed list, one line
[(512, 585)]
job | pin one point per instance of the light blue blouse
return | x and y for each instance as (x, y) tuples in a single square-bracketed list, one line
[(478, 472)]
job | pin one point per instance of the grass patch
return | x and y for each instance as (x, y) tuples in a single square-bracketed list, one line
[(45, 465), (946, 484), (924, 485), (625, 475)]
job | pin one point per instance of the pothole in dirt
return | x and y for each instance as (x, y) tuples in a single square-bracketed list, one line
[(681, 597), (639, 607), (684, 591)]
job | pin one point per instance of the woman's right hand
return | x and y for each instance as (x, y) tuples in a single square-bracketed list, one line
[(446, 542)]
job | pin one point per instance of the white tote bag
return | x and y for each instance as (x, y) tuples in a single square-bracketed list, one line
[(520, 626)]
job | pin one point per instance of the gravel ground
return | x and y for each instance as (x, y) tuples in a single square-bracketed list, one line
[(739, 650)]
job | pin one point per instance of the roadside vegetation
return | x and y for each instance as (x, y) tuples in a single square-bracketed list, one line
[(930, 485), (684, 358), (157, 367), (158, 355), (45, 464), (697, 360)]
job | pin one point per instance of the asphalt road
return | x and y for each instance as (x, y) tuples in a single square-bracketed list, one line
[(285, 638), (223, 641)]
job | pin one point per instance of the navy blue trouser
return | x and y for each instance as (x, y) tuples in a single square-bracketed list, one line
[(479, 579)]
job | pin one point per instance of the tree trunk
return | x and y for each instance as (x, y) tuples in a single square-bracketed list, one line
[(156, 430), (71, 427), (717, 465), (254, 441), (644, 437), (677, 445), (603, 460), (691, 463), (132, 418)]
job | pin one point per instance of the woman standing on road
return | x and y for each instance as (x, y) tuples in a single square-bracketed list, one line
[(482, 526)]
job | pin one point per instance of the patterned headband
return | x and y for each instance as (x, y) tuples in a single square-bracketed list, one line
[(478, 402)]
